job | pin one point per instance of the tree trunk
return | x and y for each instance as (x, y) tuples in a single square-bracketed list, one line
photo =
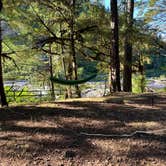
[(72, 48), (2, 91), (69, 77), (127, 73), (115, 62), (51, 75), (142, 73)]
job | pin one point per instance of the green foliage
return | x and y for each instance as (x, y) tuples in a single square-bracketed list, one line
[(138, 83), (156, 67), (161, 90), (19, 96)]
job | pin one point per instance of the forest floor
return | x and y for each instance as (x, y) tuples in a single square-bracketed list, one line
[(50, 134)]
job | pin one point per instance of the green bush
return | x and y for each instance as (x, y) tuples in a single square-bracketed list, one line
[(19, 96), (138, 83)]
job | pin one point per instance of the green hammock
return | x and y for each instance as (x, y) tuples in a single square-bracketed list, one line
[(72, 82)]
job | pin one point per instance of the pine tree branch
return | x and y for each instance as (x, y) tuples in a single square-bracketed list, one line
[(5, 55), (50, 52), (42, 22)]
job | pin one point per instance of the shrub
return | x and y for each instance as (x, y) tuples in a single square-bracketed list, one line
[(138, 83), (14, 95)]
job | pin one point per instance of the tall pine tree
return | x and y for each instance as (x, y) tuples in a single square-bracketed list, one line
[(115, 61), (127, 73), (2, 91)]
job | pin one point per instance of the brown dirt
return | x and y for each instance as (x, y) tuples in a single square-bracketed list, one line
[(48, 134)]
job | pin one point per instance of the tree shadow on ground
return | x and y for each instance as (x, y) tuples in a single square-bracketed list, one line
[(44, 140), (68, 120), (38, 145), (98, 111), (32, 144), (148, 152)]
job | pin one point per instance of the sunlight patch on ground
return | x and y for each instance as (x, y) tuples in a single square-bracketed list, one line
[(61, 106), (37, 124), (142, 106), (75, 122), (88, 99), (147, 125)]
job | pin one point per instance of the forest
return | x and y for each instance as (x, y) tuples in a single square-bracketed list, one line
[(82, 82)]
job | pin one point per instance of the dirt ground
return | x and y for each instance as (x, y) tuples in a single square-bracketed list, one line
[(48, 134)]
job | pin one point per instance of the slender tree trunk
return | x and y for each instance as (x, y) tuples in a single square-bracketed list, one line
[(142, 73), (115, 62), (67, 89), (127, 73), (51, 75), (72, 48), (69, 77), (66, 77), (2, 91)]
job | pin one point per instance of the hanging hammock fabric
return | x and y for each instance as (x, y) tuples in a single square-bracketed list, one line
[(72, 82)]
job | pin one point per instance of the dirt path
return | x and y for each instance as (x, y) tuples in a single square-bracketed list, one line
[(48, 134)]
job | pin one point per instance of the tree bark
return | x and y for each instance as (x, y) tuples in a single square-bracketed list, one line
[(142, 73), (51, 75), (114, 57), (69, 77), (2, 91), (127, 72), (72, 48)]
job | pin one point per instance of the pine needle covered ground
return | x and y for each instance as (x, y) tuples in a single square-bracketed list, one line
[(49, 134)]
